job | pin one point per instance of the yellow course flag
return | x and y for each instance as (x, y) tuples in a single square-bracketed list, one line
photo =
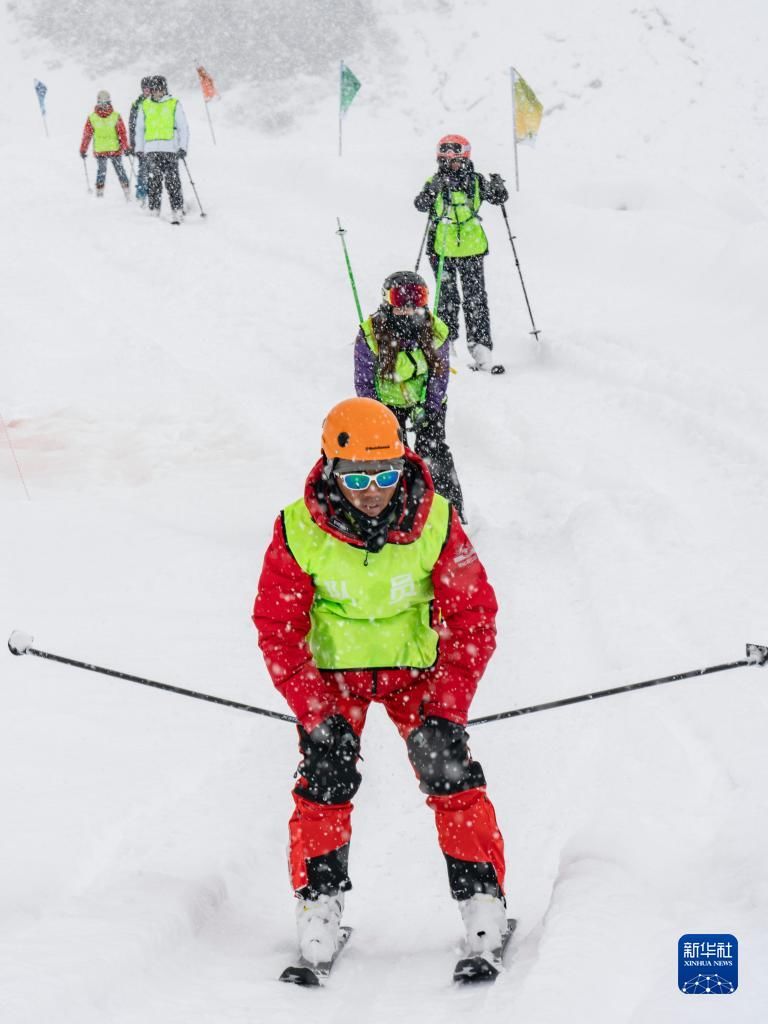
[(528, 111)]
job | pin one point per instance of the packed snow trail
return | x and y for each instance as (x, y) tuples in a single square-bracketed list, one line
[(164, 392)]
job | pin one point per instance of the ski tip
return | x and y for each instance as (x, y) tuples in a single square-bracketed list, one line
[(473, 969), (303, 976)]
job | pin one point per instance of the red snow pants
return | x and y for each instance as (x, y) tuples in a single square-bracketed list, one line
[(465, 820)]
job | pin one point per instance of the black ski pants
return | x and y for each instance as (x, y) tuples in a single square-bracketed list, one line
[(164, 166), (477, 319), (101, 170), (431, 445)]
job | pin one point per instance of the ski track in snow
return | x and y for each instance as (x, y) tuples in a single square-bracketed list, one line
[(163, 390)]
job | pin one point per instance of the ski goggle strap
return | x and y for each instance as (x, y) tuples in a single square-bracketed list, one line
[(408, 295), (362, 481)]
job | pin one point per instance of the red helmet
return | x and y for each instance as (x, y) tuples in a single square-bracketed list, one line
[(454, 146)]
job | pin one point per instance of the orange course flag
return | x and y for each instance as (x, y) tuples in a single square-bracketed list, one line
[(207, 84)]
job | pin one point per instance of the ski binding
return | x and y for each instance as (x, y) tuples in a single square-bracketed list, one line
[(313, 975), (484, 966)]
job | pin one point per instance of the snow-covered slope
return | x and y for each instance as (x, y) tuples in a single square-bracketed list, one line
[(163, 390)]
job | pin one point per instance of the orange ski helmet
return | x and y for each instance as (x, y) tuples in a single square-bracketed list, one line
[(454, 147), (362, 430)]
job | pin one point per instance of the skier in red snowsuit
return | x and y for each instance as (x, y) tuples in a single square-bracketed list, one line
[(372, 592)]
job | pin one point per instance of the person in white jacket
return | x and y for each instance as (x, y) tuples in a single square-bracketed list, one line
[(162, 134)]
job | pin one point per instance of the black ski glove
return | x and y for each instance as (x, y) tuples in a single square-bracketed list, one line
[(335, 733), (181, 154), (417, 415), (84, 156), (498, 187)]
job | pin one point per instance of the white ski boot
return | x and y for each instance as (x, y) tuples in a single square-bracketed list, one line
[(485, 921), (483, 360), (317, 922), (175, 216)]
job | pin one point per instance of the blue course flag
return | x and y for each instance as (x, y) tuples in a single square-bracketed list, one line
[(41, 90)]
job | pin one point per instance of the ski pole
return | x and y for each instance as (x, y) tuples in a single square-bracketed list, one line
[(21, 643), (423, 243), (438, 281), (130, 178), (197, 197), (535, 332), (87, 179), (341, 232), (756, 655)]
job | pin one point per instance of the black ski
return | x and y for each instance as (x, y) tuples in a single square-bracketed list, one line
[(308, 975), (484, 966), (496, 369)]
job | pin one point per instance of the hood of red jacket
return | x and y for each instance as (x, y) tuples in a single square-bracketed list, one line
[(419, 494)]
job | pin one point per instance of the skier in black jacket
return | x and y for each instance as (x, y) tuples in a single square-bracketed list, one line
[(141, 171)]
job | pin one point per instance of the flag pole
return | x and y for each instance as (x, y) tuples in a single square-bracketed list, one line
[(341, 83), (210, 122), (512, 74), (45, 125)]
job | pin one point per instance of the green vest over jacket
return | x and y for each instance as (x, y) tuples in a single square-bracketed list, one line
[(105, 138), (409, 386), (159, 119), (459, 231), (369, 616)]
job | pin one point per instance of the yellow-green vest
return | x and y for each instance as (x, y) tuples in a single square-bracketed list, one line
[(159, 119), (409, 385), (105, 138), (459, 232), (370, 610)]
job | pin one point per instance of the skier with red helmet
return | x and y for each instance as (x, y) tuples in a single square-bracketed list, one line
[(371, 592), (402, 359), (454, 196)]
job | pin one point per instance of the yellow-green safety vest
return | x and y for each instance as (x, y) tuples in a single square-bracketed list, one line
[(159, 119), (370, 610), (459, 232), (105, 138), (409, 385)]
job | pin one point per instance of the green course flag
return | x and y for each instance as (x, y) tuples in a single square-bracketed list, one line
[(350, 86)]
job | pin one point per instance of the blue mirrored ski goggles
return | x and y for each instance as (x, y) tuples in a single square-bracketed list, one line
[(362, 481)]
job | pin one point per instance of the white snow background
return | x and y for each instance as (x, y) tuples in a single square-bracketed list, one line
[(163, 389)]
